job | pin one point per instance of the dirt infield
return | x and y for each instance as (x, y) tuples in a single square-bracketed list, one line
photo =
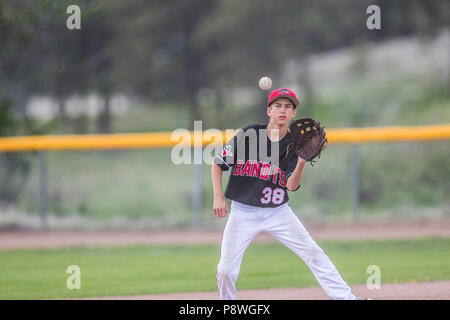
[(319, 231), (439, 290)]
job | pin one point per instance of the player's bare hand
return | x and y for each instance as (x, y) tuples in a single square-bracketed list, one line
[(220, 207)]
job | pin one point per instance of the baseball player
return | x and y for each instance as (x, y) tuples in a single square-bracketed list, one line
[(257, 188)]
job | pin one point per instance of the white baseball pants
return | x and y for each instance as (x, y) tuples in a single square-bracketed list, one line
[(245, 222)]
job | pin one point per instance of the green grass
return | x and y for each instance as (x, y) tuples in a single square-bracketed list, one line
[(111, 184), (41, 274)]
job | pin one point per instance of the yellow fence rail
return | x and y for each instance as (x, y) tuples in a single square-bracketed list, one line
[(170, 139)]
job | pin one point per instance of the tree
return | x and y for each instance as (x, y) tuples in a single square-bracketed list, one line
[(156, 55)]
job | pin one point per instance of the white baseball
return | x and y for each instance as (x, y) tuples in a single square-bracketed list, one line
[(265, 83)]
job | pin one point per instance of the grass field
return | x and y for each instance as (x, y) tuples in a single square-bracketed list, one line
[(41, 274)]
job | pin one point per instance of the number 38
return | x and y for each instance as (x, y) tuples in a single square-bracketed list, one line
[(275, 196)]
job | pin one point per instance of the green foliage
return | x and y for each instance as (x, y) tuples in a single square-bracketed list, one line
[(9, 122), (396, 178), (15, 167), (170, 50)]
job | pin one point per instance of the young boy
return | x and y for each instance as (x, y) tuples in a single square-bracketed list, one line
[(257, 188)]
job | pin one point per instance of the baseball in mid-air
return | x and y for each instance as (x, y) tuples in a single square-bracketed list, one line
[(265, 83)]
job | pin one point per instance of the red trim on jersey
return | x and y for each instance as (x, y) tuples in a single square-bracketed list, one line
[(274, 195), (265, 175), (256, 168), (267, 196), (247, 168), (275, 174), (237, 167), (282, 182)]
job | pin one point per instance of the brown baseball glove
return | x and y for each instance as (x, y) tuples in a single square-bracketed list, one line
[(309, 138)]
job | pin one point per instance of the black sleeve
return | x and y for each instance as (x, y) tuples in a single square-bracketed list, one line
[(227, 158)]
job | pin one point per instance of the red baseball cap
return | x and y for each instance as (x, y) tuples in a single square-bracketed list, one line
[(283, 93)]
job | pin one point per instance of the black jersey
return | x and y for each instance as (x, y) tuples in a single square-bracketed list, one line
[(259, 176)]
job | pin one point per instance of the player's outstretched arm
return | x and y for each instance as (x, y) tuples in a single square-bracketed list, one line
[(220, 204), (296, 177)]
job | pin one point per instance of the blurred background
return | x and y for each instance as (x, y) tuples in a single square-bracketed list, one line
[(150, 66)]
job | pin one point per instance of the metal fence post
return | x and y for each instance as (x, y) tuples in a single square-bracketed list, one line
[(356, 174), (42, 163), (197, 194)]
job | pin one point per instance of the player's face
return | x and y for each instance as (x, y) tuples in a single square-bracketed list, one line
[(281, 111)]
